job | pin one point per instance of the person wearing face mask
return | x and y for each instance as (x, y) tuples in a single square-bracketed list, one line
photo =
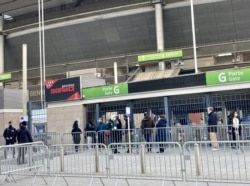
[(9, 135), (234, 127)]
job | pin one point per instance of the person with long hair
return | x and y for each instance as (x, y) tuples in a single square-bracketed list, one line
[(234, 127)]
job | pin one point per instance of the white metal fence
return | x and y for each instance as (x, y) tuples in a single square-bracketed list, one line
[(168, 161)]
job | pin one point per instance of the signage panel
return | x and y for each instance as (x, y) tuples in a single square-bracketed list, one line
[(63, 89), (160, 56), (5, 76), (228, 76), (105, 91)]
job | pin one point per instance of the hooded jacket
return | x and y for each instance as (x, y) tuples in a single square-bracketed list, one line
[(147, 124), (161, 130), (76, 133), (23, 135)]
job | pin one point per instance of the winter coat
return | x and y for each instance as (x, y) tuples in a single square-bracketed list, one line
[(76, 134), (161, 130), (23, 135), (212, 122), (90, 129), (230, 125), (147, 125), (101, 127), (10, 133)]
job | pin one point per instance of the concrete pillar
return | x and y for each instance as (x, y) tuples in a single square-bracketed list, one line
[(1, 47), (208, 99), (159, 31), (115, 73), (168, 118)]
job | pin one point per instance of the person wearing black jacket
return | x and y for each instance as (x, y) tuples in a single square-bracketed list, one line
[(147, 125), (23, 136), (76, 135), (212, 127), (9, 135)]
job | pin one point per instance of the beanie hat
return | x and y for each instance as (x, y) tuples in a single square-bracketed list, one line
[(24, 123)]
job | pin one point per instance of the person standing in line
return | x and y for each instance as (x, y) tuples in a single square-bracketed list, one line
[(9, 135), (76, 135), (23, 136), (90, 133), (118, 125), (161, 132), (112, 126), (147, 125), (212, 127), (101, 127), (234, 127)]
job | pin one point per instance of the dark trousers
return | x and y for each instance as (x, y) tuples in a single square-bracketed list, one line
[(21, 155), (101, 138), (77, 146), (236, 133), (148, 140), (161, 147), (114, 139)]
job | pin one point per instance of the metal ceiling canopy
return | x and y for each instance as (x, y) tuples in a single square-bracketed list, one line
[(22, 7)]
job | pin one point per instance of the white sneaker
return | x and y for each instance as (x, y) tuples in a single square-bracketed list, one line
[(214, 149)]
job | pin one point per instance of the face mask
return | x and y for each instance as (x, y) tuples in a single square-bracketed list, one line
[(100, 120)]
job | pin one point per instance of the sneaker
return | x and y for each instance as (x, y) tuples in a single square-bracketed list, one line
[(214, 149)]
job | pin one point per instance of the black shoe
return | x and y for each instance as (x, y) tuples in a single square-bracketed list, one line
[(160, 151)]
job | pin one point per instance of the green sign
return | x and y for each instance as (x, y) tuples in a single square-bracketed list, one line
[(5, 76), (105, 91), (228, 76), (160, 56)]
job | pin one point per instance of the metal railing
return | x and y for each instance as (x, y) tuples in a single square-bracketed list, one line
[(181, 134), (23, 159), (167, 161), (225, 165), (141, 163)]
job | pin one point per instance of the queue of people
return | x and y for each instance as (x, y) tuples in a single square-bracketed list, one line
[(111, 132)]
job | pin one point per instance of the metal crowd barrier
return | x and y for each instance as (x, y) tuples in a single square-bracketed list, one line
[(77, 160), (23, 159), (48, 138), (225, 165), (166, 161), (143, 164), (181, 134)]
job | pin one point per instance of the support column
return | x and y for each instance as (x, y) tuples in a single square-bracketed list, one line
[(1, 47), (208, 103), (97, 112), (167, 114), (159, 30), (131, 105)]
